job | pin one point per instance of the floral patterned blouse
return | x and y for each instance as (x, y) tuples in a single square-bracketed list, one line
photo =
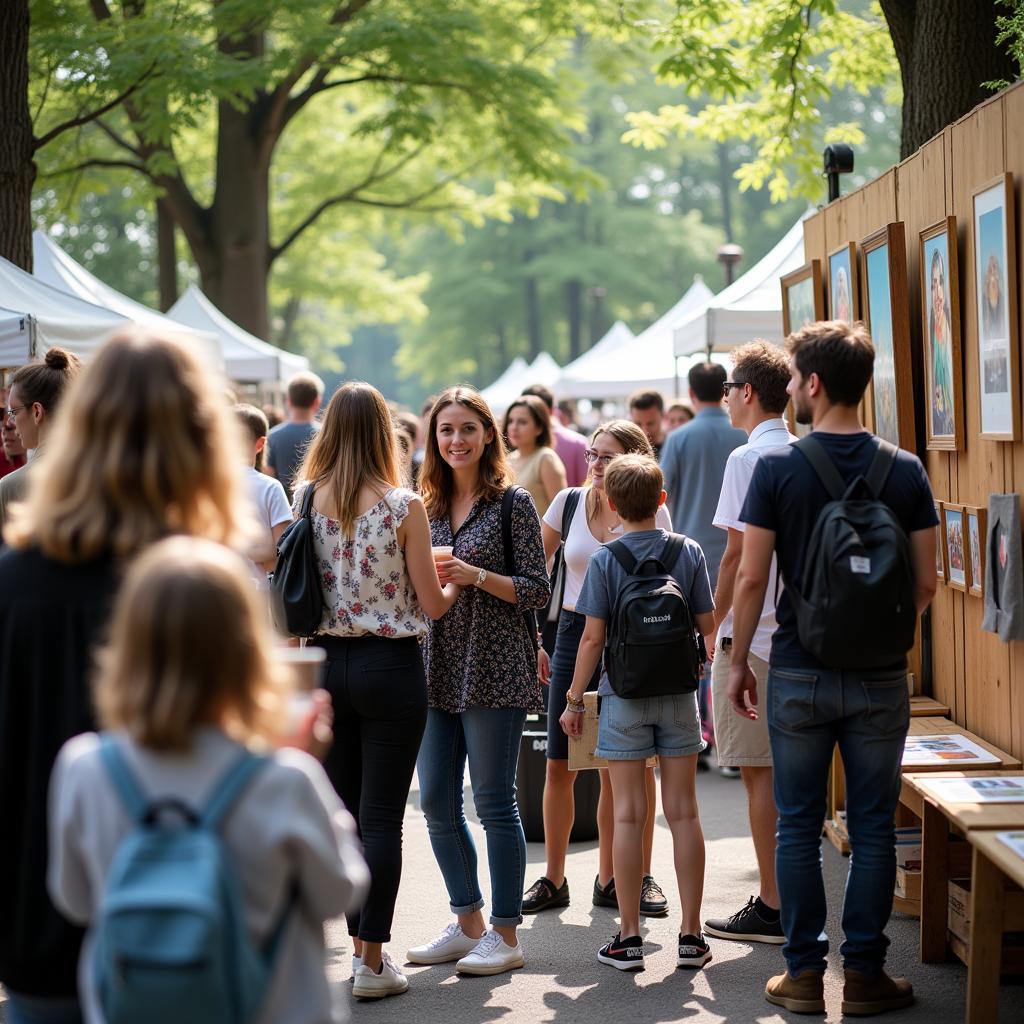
[(479, 653), (364, 580)]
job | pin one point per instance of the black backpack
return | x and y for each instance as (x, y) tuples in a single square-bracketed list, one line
[(855, 608), (296, 597), (652, 648)]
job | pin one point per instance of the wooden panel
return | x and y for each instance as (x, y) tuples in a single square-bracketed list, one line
[(814, 238)]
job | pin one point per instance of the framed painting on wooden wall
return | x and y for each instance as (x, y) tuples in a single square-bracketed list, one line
[(940, 544), (975, 533), (943, 362), (956, 546), (995, 286), (843, 298), (803, 298), (887, 315)]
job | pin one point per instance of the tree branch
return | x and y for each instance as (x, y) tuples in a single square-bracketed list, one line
[(98, 162), (117, 138)]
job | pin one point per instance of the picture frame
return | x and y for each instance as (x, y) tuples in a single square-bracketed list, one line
[(803, 297), (886, 312), (976, 531), (957, 559), (941, 337), (995, 293), (843, 291), (940, 546)]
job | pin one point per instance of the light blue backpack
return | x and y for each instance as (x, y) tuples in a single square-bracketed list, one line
[(170, 940)]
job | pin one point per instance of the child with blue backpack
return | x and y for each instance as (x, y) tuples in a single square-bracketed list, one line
[(204, 859), (646, 598)]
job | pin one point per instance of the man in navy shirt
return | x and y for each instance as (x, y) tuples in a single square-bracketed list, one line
[(810, 707)]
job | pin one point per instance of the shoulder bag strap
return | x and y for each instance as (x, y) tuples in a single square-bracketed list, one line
[(132, 796), (507, 500), (623, 556), (307, 500), (572, 502), (238, 775), (881, 466), (813, 450)]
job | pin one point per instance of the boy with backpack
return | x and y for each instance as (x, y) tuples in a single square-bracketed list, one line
[(852, 523), (645, 597)]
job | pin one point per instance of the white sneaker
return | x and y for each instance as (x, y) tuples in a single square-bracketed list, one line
[(451, 944), (371, 985), (357, 962), (492, 955)]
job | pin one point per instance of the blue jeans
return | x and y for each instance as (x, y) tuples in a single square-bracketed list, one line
[(866, 714), (41, 1010), (489, 738)]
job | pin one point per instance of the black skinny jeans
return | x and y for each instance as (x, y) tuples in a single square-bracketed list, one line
[(379, 692)]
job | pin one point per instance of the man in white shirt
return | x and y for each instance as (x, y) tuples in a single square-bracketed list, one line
[(756, 399)]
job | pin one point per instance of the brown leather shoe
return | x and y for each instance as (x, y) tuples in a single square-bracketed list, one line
[(803, 994), (864, 995)]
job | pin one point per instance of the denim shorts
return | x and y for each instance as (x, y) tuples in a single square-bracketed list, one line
[(631, 729)]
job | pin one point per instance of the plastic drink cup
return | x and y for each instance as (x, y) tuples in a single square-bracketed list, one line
[(306, 666), (442, 552)]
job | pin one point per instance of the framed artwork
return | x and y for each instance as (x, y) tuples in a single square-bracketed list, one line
[(886, 312), (843, 297), (940, 545), (943, 362), (957, 567), (995, 287), (803, 298), (975, 534)]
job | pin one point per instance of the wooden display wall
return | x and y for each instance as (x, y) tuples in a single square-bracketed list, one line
[(974, 672)]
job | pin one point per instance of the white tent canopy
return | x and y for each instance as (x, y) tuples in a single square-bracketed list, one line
[(513, 372), (35, 317), (617, 336), (53, 266), (246, 357), (751, 307), (646, 361), (509, 386)]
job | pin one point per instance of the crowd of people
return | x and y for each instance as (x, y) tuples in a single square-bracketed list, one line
[(471, 572)]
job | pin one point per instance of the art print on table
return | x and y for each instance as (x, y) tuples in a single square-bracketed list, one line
[(996, 296), (975, 518), (956, 548), (940, 294), (843, 300)]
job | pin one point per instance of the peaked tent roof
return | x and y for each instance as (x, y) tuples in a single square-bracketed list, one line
[(511, 379), (53, 266), (509, 386), (646, 361), (246, 357), (751, 307)]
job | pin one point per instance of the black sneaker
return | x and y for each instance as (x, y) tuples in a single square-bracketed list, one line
[(652, 899), (747, 925), (623, 954), (694, 951), (604, 896), (543, 895)]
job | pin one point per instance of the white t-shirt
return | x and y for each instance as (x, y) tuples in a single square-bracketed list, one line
[(270, 508), (581, 543), (739, 471)]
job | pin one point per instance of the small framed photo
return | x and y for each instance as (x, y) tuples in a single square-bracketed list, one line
[(940, 545), (803, 297), (995, 287), (976, 533), (943, 363), (886, 313), (957, 567), (843, 296)]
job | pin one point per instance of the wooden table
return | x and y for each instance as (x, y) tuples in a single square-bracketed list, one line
[(995, 865), (921, 706), (938, 819)]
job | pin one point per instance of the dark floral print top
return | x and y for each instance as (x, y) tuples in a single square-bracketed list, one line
[(365, 584), (479, 653)]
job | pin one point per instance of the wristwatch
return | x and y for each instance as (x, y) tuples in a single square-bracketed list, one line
[(481, 575)]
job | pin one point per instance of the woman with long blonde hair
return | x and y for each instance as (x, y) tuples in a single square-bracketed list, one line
[(142, 447), (379, 585), (482, 677)]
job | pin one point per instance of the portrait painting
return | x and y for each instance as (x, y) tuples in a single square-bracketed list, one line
[(956, 554), (803, 300), (975, 518), (842, 284), (995, 293), (940, 298)]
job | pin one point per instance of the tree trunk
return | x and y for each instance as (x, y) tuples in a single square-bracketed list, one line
[(574, 304), (167, 256), (945, 52), (17, 145), (597, 317), (531, 294), (501, 336), (290, 316), (726, 183)]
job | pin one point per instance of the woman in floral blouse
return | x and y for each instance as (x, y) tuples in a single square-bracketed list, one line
[(481, 679), (377, 574)]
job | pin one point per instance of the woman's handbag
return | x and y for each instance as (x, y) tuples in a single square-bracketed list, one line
[(296, 598)]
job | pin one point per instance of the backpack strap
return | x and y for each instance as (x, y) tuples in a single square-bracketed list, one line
[(814, 452), (623, 556), (238, 775), (670, 553), (881, 466), (135, 801)]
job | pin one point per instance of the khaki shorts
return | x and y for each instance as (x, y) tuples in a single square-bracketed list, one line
[(740, 742)]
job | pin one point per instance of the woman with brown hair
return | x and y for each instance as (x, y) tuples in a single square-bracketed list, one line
[(481, 677), (144, 447), (532, 460), (372, 543)]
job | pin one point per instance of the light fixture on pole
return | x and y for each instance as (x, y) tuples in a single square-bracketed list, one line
[(729, 255), (838, 160)]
